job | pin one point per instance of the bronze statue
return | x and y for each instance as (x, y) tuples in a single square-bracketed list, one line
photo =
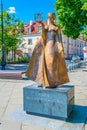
[(47, 64)]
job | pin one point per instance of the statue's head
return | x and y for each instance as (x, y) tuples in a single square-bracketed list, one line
[(51, 16)]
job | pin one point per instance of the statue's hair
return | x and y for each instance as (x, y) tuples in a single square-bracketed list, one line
[(52, 14)]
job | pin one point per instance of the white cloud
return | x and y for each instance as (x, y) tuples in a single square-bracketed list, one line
[(11, 10)]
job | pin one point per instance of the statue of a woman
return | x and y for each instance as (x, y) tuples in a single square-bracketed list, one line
[(47, 64)]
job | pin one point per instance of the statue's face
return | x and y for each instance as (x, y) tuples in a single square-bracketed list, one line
[(51, 17)]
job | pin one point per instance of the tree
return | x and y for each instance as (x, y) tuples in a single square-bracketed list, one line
[(12, 29), (84, 8), (71, 16)]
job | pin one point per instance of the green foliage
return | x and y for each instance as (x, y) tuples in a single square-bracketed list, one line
[(22, 59), (84, 32), (12, 29), (0, 59), (71, 16), (84, 7)]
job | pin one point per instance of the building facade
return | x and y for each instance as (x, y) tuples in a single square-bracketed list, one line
[(33, 31), (28, 42), (73, 47)]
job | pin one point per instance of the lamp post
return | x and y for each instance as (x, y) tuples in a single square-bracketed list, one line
[(3, 62)]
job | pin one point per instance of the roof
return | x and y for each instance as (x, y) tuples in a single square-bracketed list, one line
[(34, 27)]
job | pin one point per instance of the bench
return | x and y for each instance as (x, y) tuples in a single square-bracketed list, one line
[(11, 74)]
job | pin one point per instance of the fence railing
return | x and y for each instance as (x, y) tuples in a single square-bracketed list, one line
[(73, 66)]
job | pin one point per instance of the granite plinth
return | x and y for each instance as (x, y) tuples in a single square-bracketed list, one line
[(50, 102)]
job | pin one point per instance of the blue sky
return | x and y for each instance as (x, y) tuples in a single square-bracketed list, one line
[(25, 9)]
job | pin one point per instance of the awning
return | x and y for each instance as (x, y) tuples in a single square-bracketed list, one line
[(18, 52)]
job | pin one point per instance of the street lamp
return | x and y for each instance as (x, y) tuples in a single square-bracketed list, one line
[(3, 62)]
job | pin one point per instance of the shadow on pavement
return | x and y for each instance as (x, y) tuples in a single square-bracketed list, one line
[(79, 114)]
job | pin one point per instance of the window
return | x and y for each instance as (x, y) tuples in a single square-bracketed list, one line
[(29, 51), (29, 41), (75, 44), (29, 30), (39, 28)]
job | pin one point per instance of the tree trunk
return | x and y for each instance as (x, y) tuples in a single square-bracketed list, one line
[(67, 47), (14, 56)]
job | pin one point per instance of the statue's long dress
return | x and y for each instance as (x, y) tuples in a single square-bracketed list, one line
[(47, 64)]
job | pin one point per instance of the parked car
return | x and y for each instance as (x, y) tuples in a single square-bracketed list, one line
[(76, 58)]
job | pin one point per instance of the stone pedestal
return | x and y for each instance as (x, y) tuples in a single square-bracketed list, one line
[(50, 102)]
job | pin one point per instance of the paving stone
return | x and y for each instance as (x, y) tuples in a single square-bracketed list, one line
[(11, 108), (86, 127), (11, 92), (75, 122), (10, 125), (32, 127)]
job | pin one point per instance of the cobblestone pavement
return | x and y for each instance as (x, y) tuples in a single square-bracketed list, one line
[(11, 101)]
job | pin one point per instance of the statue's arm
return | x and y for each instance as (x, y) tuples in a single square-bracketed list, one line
[(59, 40), (44, 33), (59, 34)]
